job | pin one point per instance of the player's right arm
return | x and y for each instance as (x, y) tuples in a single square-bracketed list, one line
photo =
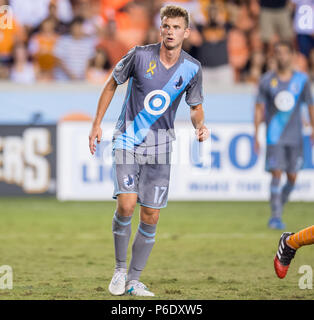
[(258, 119), (120, 74), (103, 104)]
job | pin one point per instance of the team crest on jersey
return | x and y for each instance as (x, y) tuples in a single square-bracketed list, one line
[(295, 87), (148, 76), (150, 71), (120, 66), (128, 181), (178, 83)]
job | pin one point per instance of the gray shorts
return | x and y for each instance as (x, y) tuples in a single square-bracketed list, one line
[(275, 21), (284, 158), (146, 175)]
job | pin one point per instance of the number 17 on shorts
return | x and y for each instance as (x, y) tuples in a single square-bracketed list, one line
[(160, 195)]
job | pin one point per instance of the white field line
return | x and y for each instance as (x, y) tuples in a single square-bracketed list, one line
[(91, 236), (211, 235)]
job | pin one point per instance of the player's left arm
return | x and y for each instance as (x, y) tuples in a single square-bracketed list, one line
[(308, 99), (197, 118), (194, 98), (311, 114)]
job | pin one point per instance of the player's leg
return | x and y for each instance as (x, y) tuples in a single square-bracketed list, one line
[(142, 246), (301, 238), (153, 195), (294, 158), (125, 191), (283, 256), (121, 229), (289, 243), (288, 187), (275, 162), (275, 201)]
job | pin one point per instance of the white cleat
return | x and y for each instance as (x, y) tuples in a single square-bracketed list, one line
[(137, 288), (117, 284)]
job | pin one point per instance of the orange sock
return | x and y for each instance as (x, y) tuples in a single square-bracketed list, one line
[(302, 238)]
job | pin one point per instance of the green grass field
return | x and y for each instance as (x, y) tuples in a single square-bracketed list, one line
[(203, 250)]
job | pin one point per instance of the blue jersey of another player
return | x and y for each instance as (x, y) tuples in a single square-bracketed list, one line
[(282, 101), (146, 121)]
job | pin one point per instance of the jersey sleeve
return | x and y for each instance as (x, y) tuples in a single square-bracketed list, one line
[(307, 94), (125, 67), (261, 92), (194, 92)]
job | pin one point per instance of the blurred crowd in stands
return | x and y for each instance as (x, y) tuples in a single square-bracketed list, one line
[(51, 40)]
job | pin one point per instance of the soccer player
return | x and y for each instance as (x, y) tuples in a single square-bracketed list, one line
[(289, 243), (159, 74), (279, 99)]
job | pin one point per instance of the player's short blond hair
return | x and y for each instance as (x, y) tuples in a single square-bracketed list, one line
[(172, 11)]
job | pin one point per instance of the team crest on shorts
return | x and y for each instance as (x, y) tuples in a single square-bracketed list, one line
[(128, 181)]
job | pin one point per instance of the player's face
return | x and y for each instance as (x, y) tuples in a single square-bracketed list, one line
[(173, 31), (284, 57)]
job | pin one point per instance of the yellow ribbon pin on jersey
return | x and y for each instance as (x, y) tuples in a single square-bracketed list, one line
[(274, 83), (152, 66)]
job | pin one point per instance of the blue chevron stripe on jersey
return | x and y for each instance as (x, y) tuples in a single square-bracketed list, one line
[(155, 104), (279, 121)]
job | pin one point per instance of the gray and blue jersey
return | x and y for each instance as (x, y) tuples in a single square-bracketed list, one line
[(146, 122), (283, 102)]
